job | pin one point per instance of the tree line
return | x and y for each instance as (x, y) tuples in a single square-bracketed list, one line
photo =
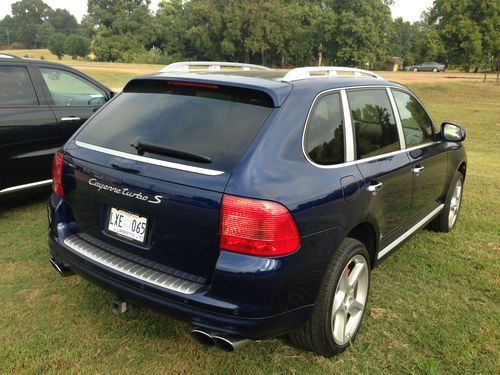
[(279, 33)]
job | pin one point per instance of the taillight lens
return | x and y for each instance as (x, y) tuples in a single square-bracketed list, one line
[(257, 227), (57, 167)]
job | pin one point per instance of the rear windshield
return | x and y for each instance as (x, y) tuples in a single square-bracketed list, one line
[(214, 122)]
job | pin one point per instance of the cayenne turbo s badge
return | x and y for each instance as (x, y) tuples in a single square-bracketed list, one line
[(126, 192)]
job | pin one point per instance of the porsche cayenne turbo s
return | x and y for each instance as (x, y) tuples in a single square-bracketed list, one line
[(252, 203)]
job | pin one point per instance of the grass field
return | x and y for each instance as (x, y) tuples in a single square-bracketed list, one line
[(433, 308)]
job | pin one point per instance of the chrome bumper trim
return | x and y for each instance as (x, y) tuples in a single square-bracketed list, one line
[(130, 269)]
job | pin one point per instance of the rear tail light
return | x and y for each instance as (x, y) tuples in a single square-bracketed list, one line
[(57, 167), (257, 227)]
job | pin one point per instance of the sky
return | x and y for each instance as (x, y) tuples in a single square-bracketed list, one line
[(408, 9)]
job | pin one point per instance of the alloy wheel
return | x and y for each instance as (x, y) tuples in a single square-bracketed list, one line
[(350, 299), (455, 204)]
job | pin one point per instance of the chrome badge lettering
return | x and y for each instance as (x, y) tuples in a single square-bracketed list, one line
[(126, 192)]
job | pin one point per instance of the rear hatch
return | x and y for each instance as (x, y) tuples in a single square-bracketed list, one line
[(145, 176)]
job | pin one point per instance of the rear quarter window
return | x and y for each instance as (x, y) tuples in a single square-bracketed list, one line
[(215, 122), (16, 88), (324, 137)]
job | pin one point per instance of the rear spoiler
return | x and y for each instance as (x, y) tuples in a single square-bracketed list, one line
[(275, 92)]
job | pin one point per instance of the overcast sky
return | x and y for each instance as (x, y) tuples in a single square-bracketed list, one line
[(408, 9)]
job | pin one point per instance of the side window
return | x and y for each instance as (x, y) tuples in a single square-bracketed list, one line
[(417, 125), (68, 89), (16, 88), (374, 123), (324, 138)]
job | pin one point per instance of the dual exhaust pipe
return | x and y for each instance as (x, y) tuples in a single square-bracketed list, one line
[(222, 341)]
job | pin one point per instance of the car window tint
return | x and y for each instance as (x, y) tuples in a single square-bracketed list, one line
[(218, 124), (374, 123), (68, 89), (16, 88), (417, 125), (324, 140)]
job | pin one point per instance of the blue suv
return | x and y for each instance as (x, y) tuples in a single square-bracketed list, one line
[(252, 203)]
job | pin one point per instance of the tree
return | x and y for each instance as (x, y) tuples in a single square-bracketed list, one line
[(123, 28), (45, 31), (361, 33), (56, 45), (63, 22), (28, 15), (403, 40), (469, 30), (76, 45)]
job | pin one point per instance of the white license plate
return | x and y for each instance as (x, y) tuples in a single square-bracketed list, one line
[(127, 224)]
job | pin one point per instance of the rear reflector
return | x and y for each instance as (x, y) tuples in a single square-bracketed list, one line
[(57, 167), (257, 227)]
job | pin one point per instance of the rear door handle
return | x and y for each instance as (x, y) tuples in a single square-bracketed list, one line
[(70, 119), (375, 187), (416, 171)]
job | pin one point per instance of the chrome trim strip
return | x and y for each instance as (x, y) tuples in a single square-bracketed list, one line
[(395, 111), (25, 186), (162, 163), (131, 269), (408, 233), (349, 131)]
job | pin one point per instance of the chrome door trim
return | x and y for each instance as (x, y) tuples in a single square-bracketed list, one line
[(409, 232), (349, 129), (144, 159), (395, 111), (13, 189)]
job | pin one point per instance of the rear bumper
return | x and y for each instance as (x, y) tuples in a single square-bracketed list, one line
[(247, 296), (180, 307)]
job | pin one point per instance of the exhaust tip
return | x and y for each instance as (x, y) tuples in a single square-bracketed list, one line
[(223, 344), (202, 337), (61, 268), (229, 343)]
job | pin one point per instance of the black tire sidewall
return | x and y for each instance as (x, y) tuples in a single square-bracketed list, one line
[(353, 248)]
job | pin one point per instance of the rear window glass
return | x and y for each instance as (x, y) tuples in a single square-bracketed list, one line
[(213, 122)]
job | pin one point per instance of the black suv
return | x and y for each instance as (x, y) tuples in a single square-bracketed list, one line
[(41, 105)]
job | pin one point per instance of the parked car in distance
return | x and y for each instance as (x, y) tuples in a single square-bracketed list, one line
[(41, 105), (429, 66), (252, 203)]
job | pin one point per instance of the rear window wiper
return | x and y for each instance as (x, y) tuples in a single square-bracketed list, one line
[(142, 146)]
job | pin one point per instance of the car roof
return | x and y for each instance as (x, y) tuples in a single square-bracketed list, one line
[(11, 58), (267, 81)]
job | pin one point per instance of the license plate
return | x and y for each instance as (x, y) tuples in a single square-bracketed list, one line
[(127, 224)]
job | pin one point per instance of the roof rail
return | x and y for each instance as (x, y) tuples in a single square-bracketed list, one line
[(184, 66), (331, 71)]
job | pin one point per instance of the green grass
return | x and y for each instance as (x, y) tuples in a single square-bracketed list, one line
[(433, 308)]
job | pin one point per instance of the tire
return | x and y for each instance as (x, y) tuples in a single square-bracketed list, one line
[(321, 333), (448, 217), (435, 70), (415, 69)]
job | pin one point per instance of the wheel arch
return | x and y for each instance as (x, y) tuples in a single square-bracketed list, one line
[(367, 234), (463, 168)]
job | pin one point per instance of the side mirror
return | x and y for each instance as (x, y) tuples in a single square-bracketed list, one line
[(452, 132)]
